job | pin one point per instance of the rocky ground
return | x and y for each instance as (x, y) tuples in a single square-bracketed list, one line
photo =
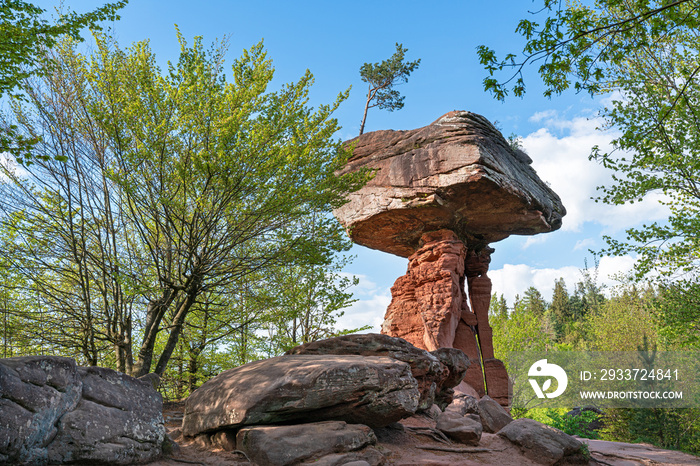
[(413, 441)]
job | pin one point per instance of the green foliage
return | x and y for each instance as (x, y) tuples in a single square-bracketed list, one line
[(623, 323), (561, 309), (534, 302), (648, 52), (382, 77), (498, 306), (677, 429), (572, 425), (677, 309), (25, 36), (578, 44), (177, 194), (521, 330)]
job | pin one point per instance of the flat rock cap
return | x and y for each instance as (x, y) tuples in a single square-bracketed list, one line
[(458, 173)]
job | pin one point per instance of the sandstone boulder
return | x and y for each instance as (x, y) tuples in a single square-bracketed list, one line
[(493, 416), (330, 442), (464, 429), (436, 373), (463, 404), (375, 391), (52, 411), (541, 443), (457, 173)]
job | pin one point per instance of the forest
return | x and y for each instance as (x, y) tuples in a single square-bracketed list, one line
[(631, 316), (177, 219), (169, 221)]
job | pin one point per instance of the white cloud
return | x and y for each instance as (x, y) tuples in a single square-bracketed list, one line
[(584, 244), (368, 311), (531, 240), (370, 307), (544, 115), (563, 162), (516, 279)]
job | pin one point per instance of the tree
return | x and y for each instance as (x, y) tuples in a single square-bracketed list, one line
[(25, 36), (210, 182), (677, 307), (649, 52), (382, 77), (623, 323), (561, 309), (498, 306), (578, 44), (534, 302)]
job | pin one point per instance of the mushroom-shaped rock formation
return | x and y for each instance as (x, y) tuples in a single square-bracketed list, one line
[(439, 196)]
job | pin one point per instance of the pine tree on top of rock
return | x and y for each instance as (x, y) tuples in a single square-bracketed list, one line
[(382, 77)]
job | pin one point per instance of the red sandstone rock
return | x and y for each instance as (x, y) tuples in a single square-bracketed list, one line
[(457, 173), (436, 373), (439, 196), (497, 382), (429, 308), (427, 303)]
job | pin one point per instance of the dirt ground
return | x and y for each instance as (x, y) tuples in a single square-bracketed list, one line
[(412, 442)]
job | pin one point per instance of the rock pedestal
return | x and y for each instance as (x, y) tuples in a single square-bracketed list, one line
[(439, 196), (430, 307)]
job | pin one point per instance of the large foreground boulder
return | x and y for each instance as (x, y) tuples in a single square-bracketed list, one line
[(375, 391), (436, 373), (52, 411), (330, 442)]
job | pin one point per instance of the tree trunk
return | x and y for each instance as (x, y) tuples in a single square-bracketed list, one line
[(364, 115), (178, 322), (154, 315)]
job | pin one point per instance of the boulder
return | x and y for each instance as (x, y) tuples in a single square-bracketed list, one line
[(52, 411), (458, 173), (457, 362), (493, 416), (464, 429), (294, 444), (435, 373), (541, 443), (463, 404), (375, 391)]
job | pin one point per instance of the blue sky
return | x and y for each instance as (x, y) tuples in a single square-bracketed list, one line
[(333, 39)]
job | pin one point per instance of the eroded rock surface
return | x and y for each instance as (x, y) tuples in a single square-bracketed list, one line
[(375, 391), (436, 373), (442, 302), (52, 411), (493, 416), (327, 443), (541, 443), (464, 429), (457, 173), (428, 302)]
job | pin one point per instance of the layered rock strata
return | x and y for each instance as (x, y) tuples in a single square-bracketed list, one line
[(436, 373), (439, 196), (374, 391), (458, 173), (431, 308), (55, 412)]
